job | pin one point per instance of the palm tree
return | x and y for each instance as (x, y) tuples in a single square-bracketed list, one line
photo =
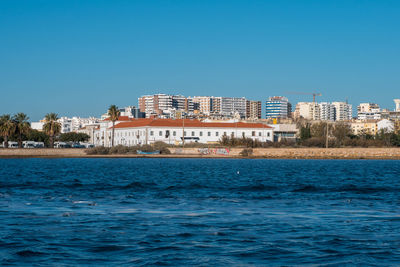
[(51, 126), (7, 128), (113, 113), (22, 126)]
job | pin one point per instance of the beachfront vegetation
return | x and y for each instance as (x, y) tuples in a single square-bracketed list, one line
[(73, 137), (124, 150), (51, 127), (7, 128), (340, 135), (113, 113), (22, 126)]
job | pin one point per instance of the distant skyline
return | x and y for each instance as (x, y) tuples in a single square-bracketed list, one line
[(76, 58)]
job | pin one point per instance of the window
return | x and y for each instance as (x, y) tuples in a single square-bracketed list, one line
[(253, 133), (160, 133), (201, 133), (268, 134), (151, 133), (216, 133), (259, 133), (192, 133), (232, 134), (243, 134), (209, 133), (224, 133), (174, 133), (184, 133)]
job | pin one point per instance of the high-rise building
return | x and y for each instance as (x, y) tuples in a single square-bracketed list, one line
[(278, 107), (368, 111), (203, 104), (161, 104), (146, 104), (368, 108), (230, 106), (308, 110), (327, 111), (343, 111), (216, 105), (178, 102), (253, 109)]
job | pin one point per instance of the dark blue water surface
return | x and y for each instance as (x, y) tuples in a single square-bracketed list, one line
[(208, 212)]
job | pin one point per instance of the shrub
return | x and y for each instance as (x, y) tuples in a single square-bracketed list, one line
[(159, 145), (99, 150), (146, 148), (314, 142), (165, 150), (119, 149), (246, 152)]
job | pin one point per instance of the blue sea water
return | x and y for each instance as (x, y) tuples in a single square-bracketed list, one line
[(207, 212)]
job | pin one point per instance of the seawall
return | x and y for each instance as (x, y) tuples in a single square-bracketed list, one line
[(273, 153)]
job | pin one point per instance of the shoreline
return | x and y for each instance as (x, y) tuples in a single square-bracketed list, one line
[(258, 153)]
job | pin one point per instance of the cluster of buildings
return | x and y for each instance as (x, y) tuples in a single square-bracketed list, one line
[(324, 111), (206, 119), (68, 124), (178, 106)]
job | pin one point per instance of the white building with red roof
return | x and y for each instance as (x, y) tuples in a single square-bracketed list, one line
[(130, 132)]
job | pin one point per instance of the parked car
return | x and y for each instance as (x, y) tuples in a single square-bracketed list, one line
[(39, 145), (11, 144), (61, 145), (87, 145), (77, 145)]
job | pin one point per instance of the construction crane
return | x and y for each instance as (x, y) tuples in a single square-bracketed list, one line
[(303, 93)]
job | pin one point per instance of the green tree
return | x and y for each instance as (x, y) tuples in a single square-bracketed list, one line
[(7, 128), (38, 136), (305, 132), (74, 137), (22, 126), (341, 131), (51, 127), (318, 129), (113, 113)]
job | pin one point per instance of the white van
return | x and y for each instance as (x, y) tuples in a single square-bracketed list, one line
[(12, 144), (87, 145), (39, 145), (28, 144)]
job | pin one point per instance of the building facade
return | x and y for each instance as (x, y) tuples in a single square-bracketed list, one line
[(68, 124), (278, 107), (162, 105), (148, 131), (368, 111), (253, 110), (343, 111), (308, 111), (364, 127), (327, 111)]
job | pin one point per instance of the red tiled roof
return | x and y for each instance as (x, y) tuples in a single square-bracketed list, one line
[(188, 124)]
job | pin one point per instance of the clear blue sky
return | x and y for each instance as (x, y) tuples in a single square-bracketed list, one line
[(78, 57)]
